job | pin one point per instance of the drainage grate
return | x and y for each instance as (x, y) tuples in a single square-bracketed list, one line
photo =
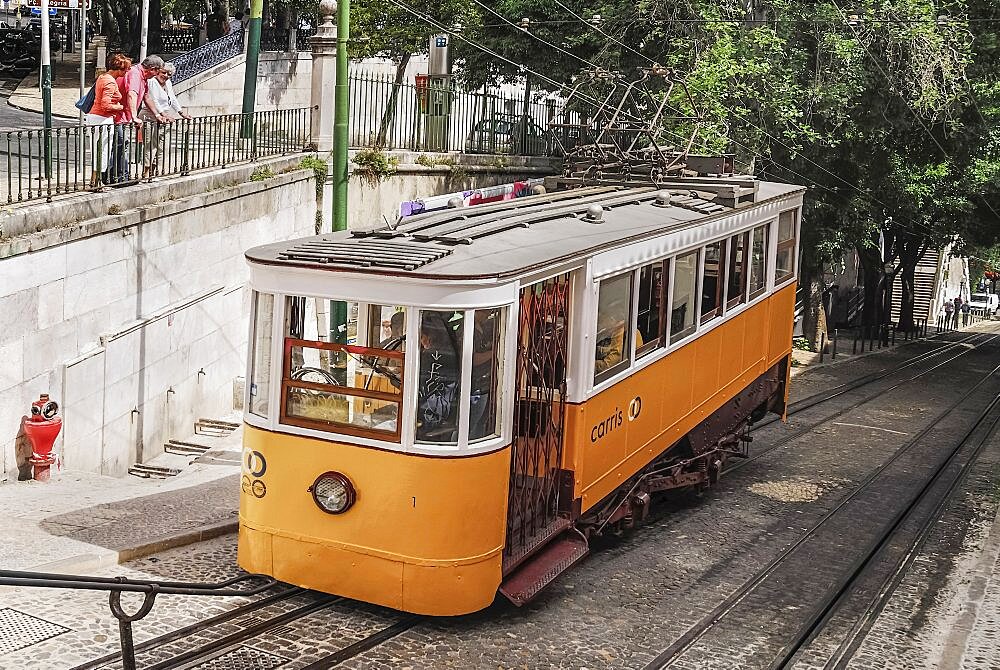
[(243, 658), (19, 630)]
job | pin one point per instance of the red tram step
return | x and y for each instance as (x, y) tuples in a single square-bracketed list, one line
[(540, 570)]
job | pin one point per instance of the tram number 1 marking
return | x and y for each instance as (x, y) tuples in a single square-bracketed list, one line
[(414, 501)]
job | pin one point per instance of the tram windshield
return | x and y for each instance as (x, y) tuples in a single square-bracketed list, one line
[(349, 382)]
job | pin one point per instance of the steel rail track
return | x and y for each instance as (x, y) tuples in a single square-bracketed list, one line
[(369, 642), (809, 427), (213, 648), (696, 632), (850, 644), (174, 635), (864, 380)]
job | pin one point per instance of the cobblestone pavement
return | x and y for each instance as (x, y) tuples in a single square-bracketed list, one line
[(635, 594), (80, 521)]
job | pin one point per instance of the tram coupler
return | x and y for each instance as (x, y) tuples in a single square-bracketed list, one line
[(41, 429)]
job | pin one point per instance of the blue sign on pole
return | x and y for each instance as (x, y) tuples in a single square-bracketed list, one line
[(37, 11)]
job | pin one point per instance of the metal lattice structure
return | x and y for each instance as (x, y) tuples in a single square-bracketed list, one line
[(539, 413), (207, 56), (628, 137)]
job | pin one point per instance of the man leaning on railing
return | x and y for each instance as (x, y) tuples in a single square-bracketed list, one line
[(160, 106)]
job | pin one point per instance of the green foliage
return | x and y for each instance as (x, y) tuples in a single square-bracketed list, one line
[(261, 173), (320, 169), (434, 161), (374, 165)]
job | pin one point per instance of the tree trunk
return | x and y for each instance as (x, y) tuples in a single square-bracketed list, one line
[(870, 275), (909, 256), (390, 108), (813, 313)]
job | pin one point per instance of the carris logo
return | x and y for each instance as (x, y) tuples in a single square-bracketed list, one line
[(616, 419)]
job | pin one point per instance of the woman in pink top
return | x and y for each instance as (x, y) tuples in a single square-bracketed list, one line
[(107, 104)]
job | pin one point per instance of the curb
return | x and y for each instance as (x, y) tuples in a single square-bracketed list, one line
[(35, 111), (89, 562)]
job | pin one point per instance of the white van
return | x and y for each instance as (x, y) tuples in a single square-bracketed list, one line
[(987, 302)]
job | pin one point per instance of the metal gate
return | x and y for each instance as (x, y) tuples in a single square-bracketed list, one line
[(539, 412)]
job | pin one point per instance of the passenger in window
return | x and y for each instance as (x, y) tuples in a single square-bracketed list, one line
[(392, 367), (610, 349), (437, 393)]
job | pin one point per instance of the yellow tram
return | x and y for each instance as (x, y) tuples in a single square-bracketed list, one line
[(513, 379)]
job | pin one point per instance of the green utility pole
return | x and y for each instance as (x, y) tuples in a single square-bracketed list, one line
[(253, 58), (46, 73), (341, 102)]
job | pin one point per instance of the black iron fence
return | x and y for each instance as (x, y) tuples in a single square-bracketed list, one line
[(436, 117), (179, 40), (282, 39), (41, 163)]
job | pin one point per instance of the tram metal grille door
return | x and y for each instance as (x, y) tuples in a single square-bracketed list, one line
[(539, 413)]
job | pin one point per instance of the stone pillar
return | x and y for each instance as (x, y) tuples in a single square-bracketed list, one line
[(293, 40), (100, 43), (324, 77)]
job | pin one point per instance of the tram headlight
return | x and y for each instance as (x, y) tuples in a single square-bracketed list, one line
[(333, 492)]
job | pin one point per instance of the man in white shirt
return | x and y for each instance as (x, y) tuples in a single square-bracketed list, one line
[(160, 106)]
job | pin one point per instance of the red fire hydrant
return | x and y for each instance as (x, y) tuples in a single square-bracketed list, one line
[(42, 427)]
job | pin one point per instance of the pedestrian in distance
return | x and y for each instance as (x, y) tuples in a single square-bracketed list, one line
[(133, 86), (107, 105), (958, 308), (215, 24), (949, 309), (160, 107), (965, 313), (235, 24)]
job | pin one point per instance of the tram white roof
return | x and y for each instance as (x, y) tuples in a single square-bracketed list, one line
[(518, 237)]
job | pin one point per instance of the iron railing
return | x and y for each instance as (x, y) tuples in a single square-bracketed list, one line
[(441, 118), (280, 39), (207, 56), (179, 40), (41, 163)]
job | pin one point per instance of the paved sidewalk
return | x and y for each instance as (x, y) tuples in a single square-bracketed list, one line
[(79, 522), (65, 88)]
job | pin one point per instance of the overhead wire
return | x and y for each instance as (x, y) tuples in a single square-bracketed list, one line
[(906, 103), (864, 192)]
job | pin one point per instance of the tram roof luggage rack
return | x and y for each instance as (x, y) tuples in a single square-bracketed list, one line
[(522, 236)]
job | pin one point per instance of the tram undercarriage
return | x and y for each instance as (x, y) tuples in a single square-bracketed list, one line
[(696, 461)]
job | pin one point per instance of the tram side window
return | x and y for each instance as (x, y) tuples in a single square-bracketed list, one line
[(736, 289), (712, 280), (784, 260), (683, 306), (486, 389), (440, 377), (648, 322), (612, 353), (353, 388), (758, 261), (260, 371)]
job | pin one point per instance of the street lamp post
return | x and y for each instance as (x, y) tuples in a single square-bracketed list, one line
[(253, 58), (46, 74), (341, 102)]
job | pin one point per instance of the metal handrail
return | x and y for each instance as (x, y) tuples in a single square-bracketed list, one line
[(115, 586), (207, 56)]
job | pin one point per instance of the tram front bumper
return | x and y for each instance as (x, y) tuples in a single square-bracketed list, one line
[(437, 588)]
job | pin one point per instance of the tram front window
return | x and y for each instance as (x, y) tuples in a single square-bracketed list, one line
[(355, 387), (439, 381)]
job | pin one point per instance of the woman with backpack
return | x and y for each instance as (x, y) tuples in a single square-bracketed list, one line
[(106, 105)]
